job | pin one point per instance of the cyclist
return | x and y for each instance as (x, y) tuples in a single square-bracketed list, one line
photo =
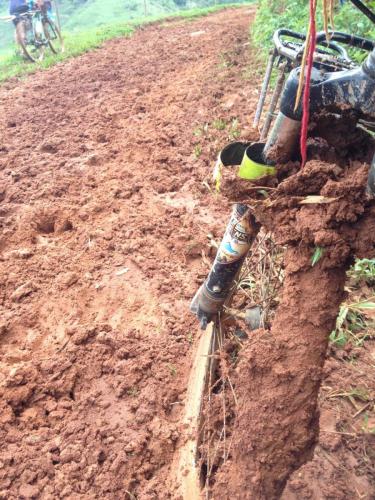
[(45, 5), (17, 7)]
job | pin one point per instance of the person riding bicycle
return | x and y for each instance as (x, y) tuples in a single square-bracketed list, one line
[(17, 7), (45, 6)]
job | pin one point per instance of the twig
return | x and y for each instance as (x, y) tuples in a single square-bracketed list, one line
[(234, 394), (361, 410), (351, 434)]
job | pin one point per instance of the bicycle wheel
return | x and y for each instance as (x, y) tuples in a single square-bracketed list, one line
[(211, 396), (33, 51), (53, 36), (253, 304)]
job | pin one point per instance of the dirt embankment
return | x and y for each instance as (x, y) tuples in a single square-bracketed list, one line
[(104, 217)]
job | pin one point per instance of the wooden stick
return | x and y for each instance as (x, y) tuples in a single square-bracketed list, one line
[(57, 14)]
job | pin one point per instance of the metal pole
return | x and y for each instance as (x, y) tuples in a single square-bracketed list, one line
[(365, 10), (55, 4), (274, 101), (263, 92)]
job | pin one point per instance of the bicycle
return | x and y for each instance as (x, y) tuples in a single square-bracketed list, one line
[(35, 31), (249, 271)]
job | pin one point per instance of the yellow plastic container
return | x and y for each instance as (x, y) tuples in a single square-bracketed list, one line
[(252, 167)]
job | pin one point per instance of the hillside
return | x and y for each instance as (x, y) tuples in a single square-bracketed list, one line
[(79, 15), (120, 148)]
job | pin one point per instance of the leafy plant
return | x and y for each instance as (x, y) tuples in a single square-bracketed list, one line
[(219, 124), (200, 130), (363, 269), (218, 175), (317, 255), (197, 150), (352, 324), (234, 131)]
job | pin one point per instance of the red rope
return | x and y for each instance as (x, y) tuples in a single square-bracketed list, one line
[(306, 94)]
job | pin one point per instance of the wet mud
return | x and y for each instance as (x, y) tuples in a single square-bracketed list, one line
[(104, 217), (107, 217), (280, 370)]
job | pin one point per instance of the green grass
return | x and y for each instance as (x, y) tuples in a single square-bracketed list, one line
[(80, 15), (294, 14), (317, 255), (355, 322), (76, 43)]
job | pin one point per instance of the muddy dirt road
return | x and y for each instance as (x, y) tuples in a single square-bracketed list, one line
[(105, 215)]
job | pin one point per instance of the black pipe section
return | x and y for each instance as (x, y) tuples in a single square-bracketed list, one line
[(345, 38), (371, 179)]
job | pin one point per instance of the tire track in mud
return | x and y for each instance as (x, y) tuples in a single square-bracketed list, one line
[(104, 216)]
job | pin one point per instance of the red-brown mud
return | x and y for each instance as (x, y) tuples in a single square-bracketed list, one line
[(280, 371), (344, 459), (104, 217)]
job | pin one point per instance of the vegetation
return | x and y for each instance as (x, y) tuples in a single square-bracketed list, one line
[(317, 255), (355, 320), (81, 15), (294, 14)]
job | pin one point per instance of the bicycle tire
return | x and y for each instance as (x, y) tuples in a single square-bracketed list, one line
[(21, 40), (48, 27), (265, 262)]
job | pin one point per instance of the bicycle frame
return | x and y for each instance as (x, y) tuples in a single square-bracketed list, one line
[(351, 87)]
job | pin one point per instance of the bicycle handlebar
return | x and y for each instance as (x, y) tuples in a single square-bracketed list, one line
[(351, 40), (24, 14), (293, 50), (7, 18), (294, 53), (282, 48)]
